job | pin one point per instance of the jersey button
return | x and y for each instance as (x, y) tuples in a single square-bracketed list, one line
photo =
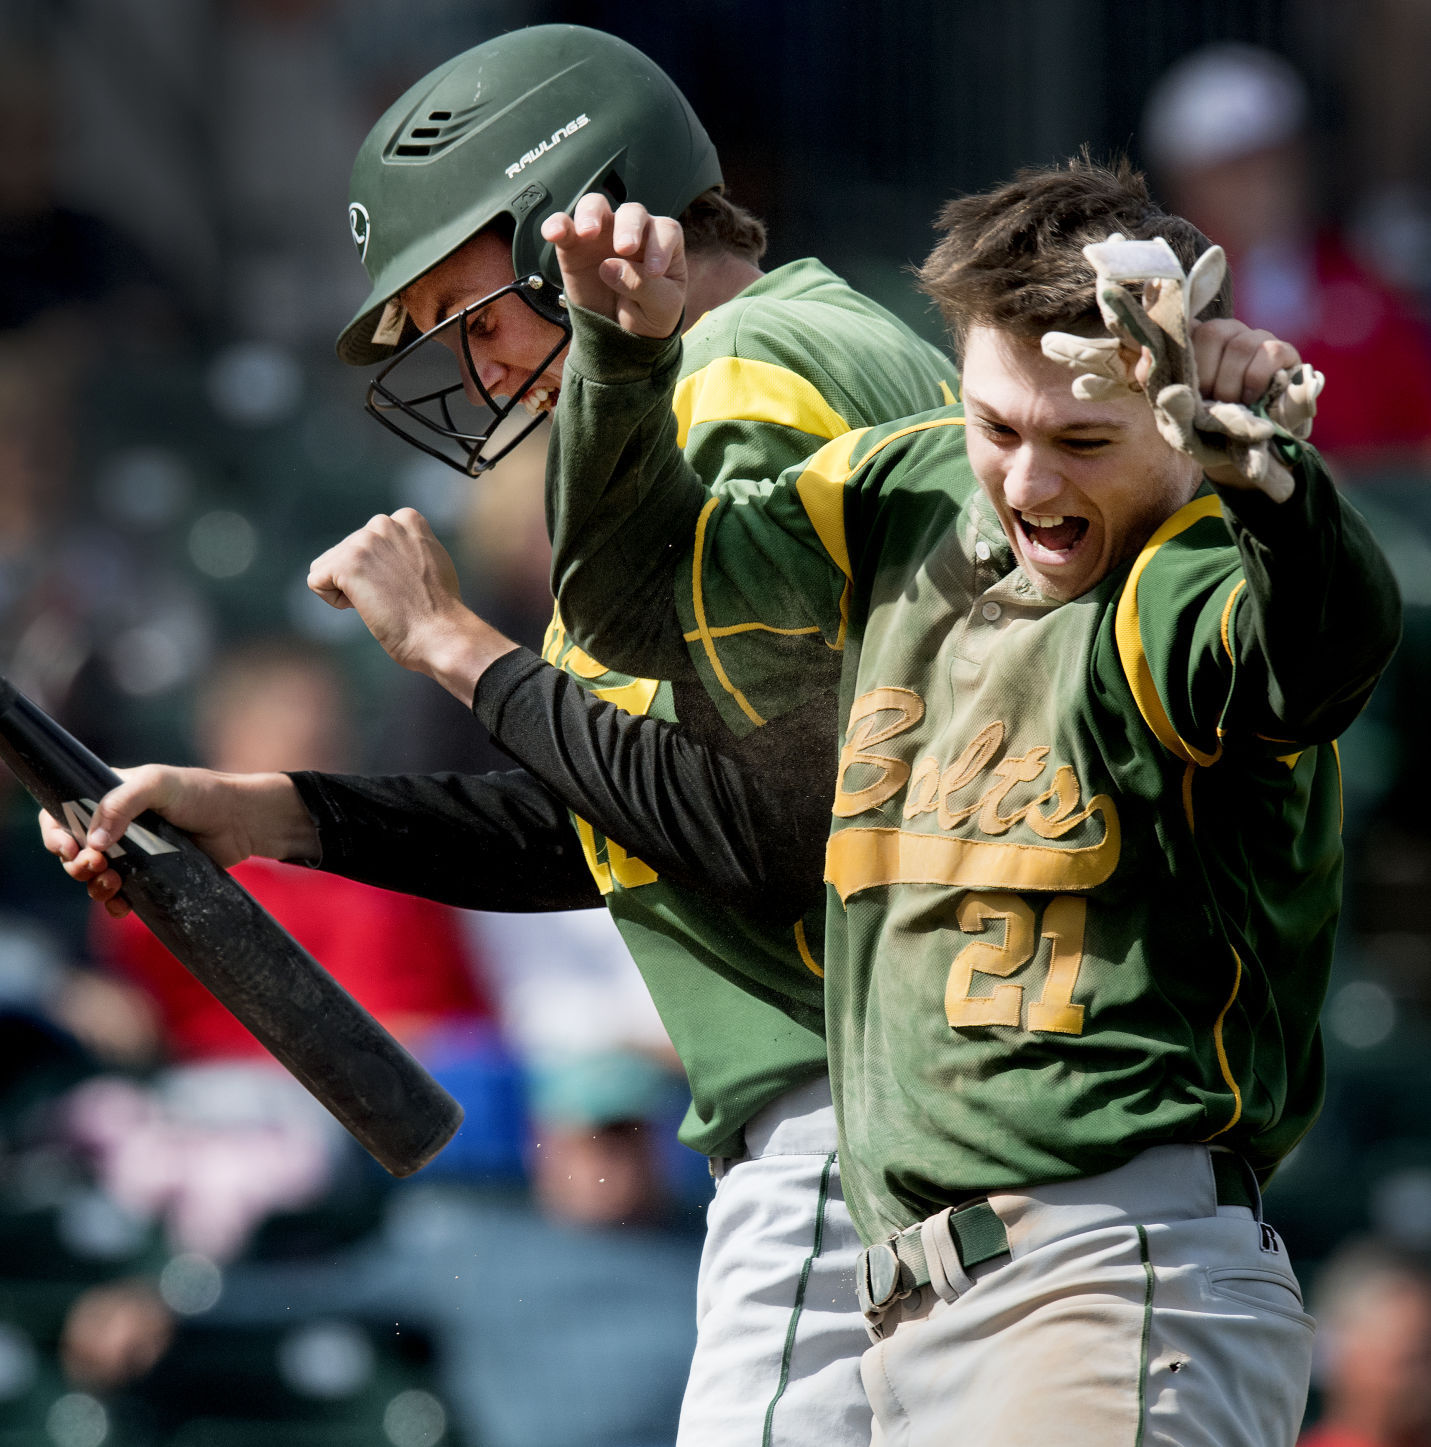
[(991, 611), (982, 551)]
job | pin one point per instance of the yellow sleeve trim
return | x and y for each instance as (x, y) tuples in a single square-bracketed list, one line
[(1227, 620), (739, 389), (1128, 633), (803, 946), (1222, 1061), (821, 489), (1341, 792)]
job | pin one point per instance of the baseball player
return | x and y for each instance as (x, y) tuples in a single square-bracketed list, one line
[(450, 195), (1099, 633)]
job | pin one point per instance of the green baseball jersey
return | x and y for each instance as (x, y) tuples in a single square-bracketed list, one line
[(796, 359), (1085, 858)]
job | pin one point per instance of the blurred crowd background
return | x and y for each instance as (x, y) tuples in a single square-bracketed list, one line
[(191, 1253)]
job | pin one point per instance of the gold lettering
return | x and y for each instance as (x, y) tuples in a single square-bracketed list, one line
[(1066, 791), (923, 788), (1063, 819), (1022, 770), (863, 732), (969, 765), (1063, 924), (975, 914), (862, 858), (888, 712)]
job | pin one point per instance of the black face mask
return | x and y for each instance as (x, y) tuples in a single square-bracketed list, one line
[(414, 394)]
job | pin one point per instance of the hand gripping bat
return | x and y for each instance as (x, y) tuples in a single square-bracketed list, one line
[(239, 953)]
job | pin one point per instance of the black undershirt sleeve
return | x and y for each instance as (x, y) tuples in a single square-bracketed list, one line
[(496, 841), (743, 822)]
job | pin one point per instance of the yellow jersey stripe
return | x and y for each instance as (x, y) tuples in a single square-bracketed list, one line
[(1341, 791), (821, 490), (1222, 1061), (740, 389), (698, 603), (802, 945), (734, 628), (821, 487), (1227, 619), (1128, 633)]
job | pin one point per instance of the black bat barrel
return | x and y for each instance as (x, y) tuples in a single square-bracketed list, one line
[(241, 955)]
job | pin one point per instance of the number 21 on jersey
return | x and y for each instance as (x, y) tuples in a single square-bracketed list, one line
[(1009, 915)]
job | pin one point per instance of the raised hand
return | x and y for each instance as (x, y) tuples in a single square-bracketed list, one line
[(404, 586), (400, 579), (626, 264), (1220, 390)]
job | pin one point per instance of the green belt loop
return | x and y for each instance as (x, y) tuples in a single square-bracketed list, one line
[(978, 1233)]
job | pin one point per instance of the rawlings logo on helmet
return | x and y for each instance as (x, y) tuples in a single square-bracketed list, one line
[(361, 226), (542, 147)]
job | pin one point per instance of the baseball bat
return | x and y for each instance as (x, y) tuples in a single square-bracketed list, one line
[(240, 954)]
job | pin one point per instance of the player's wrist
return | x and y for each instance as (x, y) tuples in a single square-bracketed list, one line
[(271, 819), (457, 653)]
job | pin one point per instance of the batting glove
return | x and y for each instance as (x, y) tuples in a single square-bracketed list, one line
[(1214, 434)]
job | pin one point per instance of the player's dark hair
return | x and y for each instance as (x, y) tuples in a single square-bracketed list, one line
[(713, 223), (1012, 258)]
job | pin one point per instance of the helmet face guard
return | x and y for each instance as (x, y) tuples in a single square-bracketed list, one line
[(415, 396)]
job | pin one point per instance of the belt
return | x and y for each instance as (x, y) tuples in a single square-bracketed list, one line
[(890, 1270)]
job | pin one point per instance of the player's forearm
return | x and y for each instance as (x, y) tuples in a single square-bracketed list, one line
[(735, 824), (497, 841), (622, 503), (1323, 612)]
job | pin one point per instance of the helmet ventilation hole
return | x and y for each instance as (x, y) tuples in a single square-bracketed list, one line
[(434, 133), (614, 186)]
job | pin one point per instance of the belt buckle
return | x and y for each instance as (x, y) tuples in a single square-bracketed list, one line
[(879, 1279)]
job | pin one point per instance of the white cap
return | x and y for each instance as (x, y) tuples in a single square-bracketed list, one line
[(1222, 101)]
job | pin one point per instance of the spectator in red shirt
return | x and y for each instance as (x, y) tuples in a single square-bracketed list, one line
[(278, 705), (223, 1136)]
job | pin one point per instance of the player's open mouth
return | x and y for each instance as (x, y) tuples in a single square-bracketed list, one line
[(537, 400), (1050, 537)]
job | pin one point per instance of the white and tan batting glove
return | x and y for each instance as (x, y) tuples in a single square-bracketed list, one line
[(1161, 319)]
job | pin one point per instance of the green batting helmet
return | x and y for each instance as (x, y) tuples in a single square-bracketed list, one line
[(519, 127)]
